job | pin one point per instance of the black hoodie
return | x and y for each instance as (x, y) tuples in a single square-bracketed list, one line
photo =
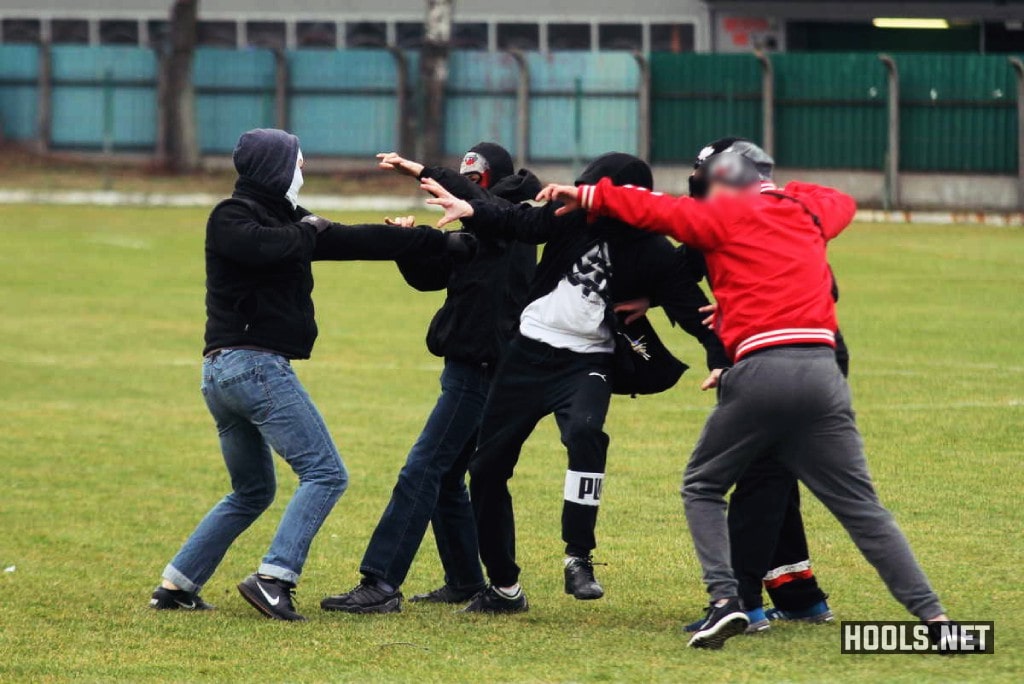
[(259, 280), (643, 264), (487, 294)]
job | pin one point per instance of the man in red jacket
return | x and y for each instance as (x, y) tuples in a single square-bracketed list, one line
[(766, 256)]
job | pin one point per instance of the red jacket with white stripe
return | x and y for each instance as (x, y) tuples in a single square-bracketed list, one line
[(765, 254)]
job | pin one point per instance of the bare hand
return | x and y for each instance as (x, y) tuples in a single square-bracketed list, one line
[(392, 161), (400, 221), (711, 310), (711, 381), (454, 208), (566, 194), (635, 308)]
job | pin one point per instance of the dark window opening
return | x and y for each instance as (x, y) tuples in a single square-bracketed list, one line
[(1004, 36), (409, 34), (518, 37), (119, 32), (568, 36), (469, 37), (316, 34), (620, 36), (366, 34), (159, 32), (672, 38), (218, 34), (69, 31), (265, 34), (22, 30)]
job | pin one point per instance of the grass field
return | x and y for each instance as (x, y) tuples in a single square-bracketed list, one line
[(109, 459)]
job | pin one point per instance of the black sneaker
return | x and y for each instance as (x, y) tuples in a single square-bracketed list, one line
[(490, 600), (177, 599), (273, 597), (580, 580), (366, 597), (448, 594), (722, 622), (949, 640)]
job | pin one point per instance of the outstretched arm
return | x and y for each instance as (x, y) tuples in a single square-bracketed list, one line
[(835, 210), (234, 234), (683, 218), (338, 242)]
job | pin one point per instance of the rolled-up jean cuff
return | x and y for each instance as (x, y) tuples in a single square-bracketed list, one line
[(277, 572), (174, 576)]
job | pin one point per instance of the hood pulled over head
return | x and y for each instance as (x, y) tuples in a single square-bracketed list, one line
[(492, 161), (267, 157), (620, 168)]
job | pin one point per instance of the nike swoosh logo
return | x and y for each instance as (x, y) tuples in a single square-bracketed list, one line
[(272, 600), (598, 375), (186, 606)]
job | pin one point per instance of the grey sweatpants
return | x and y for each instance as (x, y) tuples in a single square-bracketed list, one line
[(795, 402)]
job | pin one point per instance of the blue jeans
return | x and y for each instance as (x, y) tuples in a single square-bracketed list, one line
[(258, 403), (431, 488)]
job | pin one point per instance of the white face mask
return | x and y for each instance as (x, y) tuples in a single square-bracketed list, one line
[(293, 192)]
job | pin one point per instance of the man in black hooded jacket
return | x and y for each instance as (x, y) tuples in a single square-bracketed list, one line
[(259, 247), (470, 331), (561, 362)]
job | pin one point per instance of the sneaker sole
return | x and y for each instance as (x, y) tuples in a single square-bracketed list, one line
[(390, 606), (758, 627), (731, 625), (525, 608), (258, 605)]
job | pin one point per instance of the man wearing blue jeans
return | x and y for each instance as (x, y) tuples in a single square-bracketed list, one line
[(485, 296), (259, 249)]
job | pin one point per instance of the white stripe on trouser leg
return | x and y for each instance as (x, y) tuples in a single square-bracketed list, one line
[(583, 488)]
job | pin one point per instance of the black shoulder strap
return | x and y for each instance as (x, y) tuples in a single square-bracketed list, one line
[(807, 210)]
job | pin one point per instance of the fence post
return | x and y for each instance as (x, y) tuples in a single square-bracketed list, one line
[(44, 93), (160, 149), (522, 108), (767, 102), (1018, 67), (281, 86), (643, 114), (403, 119), (892, 156)]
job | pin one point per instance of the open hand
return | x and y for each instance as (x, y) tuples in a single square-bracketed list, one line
[(454, 208), (711, 381), (634, 308), (711, 310), (400, 221), (566, 194), (392, 161)]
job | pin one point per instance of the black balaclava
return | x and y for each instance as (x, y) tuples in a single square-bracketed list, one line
[(267, 157), (621, 168), (490, 160)]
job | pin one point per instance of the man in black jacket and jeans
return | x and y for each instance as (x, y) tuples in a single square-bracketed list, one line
[(259, 280), (561, 362), (470, 331)]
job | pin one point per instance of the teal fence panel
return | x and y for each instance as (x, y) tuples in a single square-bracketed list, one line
[(957, 113), (343, 102), (480, 102), (582, 104), (699, 98), (19, 96), (830, 111), (235, 91), (95, 88)]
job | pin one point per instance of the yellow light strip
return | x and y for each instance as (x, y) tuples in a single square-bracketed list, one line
[(910, 23)]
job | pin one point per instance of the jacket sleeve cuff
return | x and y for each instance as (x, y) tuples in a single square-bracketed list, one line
[(484, 214), (585, 196)]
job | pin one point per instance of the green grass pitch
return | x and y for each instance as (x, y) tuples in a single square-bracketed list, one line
[(109, 459)]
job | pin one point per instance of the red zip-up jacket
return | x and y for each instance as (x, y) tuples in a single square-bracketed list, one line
[(765, 254)]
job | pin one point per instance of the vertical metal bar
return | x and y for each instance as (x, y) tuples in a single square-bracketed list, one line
[(403, 119), (162, 58), (892, 155), (522, 109), (767, 102), (108, 127), (44, 93), (1018, 67), (643, 113), (281, 88), (577, 160)]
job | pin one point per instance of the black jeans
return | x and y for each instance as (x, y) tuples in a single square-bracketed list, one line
[(431, 488), (535, 380)]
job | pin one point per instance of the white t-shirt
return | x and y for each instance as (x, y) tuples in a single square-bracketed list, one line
[(572, 316)]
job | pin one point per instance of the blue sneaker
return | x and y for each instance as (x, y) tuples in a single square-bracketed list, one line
[(758, 622), (817, 614)]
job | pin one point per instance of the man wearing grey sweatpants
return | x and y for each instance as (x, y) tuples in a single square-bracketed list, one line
[(765, 249)]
